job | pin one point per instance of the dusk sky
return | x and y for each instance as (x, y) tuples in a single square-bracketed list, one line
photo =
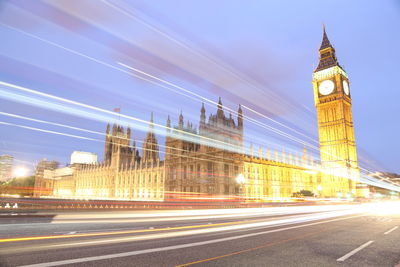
[(170, 56)]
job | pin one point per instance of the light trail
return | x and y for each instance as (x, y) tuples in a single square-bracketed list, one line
[(245, 117), (46, 131), (198, 70), (194, 215), (191, 137), (62, 108), (187, 91), (197, 95), (82, 113), (240, 76), (205, 99), (303, 220), (31, 238), (281, 124), (49, 122), (200, 54), (103, 134), (210, 156), (320, 213)]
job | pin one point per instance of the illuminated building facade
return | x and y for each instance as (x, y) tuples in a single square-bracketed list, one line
[(124, 174), (44, 184), (6, 164), (81, 157), (188, 166), (194, 165), (209, 159)]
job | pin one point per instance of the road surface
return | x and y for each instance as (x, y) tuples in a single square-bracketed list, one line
[(327, 235)]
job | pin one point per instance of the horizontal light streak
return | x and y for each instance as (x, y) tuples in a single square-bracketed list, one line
[(245, 117), (167, 87), (207, 101), (46, 131), (87, 112), (367, 180), (236, 225), (363, 179), (262, 224), (31, 238), (210, 156)]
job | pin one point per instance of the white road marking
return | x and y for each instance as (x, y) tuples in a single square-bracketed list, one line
[(66, 233), (351, 253), (112, 229), (391, 230), (145, 251)]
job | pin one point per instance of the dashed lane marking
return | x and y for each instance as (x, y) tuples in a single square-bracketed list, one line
[(391, 230), (351, 253)]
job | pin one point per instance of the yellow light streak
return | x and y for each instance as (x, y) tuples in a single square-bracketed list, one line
[(30, 238)]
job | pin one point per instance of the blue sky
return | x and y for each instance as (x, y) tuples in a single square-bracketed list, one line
[(257, 53)]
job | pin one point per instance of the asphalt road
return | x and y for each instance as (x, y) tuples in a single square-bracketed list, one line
[(339, 235)]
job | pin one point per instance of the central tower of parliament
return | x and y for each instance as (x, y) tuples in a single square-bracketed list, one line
[(208, 160)]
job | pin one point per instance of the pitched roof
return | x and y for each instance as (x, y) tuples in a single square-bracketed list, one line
[(325, 41), (327, 58)]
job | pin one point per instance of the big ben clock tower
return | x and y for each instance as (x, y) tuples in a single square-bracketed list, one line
[(332, 97)]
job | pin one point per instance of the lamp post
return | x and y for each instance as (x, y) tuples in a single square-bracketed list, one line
[(20, 172), (240, 180), (319, 190)]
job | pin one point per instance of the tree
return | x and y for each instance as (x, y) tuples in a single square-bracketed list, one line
[(303, 193), (18, 186)]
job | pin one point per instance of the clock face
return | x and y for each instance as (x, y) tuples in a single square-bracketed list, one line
[(346, 87), (326, 87)]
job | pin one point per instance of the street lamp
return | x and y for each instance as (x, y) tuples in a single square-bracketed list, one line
[(20, 172), (240, 180), (319, 190)]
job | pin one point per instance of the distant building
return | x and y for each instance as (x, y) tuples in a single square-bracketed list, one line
[(43, 185), (81, 157), (387, 177), (6, 164), (62, 179)]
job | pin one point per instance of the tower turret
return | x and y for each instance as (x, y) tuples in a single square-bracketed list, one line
[(114, 129), (202, 119), (107, 146), (220, 111), (128, 134), (240, 118), (304, 156), (168, 125), (150, 145), (327, 54), (202, 115), (181, 121)]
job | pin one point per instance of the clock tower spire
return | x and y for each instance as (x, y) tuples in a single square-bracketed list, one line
[(335, 124), (327, 54)]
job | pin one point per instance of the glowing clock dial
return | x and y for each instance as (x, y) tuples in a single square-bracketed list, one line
[(326, 87), (346, 88)]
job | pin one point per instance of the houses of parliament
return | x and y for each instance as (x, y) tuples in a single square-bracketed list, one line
[(210, 159)]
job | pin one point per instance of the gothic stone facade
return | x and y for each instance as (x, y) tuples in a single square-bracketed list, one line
[(192, 163)]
